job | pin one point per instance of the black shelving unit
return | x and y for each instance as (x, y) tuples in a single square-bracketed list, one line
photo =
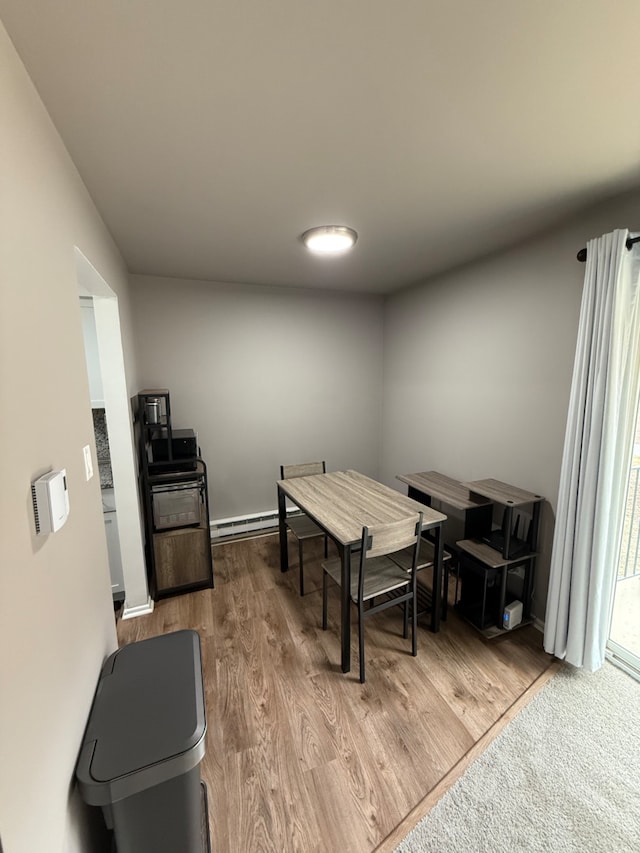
[(499, 567), (175, 499)]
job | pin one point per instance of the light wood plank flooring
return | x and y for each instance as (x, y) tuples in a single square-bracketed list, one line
[(299, 756)]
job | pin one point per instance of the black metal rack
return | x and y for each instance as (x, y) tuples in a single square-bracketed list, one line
[(500, 566), (178, 553)]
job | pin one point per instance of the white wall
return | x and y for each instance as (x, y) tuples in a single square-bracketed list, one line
[(56, 613), (478, 366), (266, 376)]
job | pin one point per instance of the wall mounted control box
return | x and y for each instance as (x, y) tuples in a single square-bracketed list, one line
[(512, 615), (50, 501)]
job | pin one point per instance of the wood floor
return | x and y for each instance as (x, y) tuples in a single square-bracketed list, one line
[(299, 756)]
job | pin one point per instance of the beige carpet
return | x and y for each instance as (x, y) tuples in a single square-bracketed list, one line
[(564, 776)]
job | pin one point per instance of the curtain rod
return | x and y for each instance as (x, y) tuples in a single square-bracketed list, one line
[(582, 254)]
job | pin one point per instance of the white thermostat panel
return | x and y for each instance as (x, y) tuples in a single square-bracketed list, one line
[(50, 501)]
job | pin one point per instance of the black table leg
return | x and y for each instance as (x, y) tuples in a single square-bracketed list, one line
[(282, 527)]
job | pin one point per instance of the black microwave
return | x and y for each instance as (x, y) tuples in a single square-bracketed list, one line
[(184, 445)]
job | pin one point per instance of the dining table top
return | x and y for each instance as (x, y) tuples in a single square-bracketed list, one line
[(343, 502)]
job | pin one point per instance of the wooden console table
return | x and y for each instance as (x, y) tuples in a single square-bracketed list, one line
[(426, 486)]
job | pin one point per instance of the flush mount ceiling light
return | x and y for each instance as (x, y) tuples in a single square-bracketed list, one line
[(329, 239)]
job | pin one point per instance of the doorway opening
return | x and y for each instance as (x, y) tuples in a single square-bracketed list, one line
[(128, 544)]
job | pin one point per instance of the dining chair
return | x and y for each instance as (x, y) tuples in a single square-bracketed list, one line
[(426, 560), (378, 575), (300, 525)]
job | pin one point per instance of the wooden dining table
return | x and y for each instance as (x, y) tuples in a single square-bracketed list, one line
[(342, 503)]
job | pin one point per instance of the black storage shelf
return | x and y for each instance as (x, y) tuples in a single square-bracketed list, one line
[(178, 557), (499, 567)]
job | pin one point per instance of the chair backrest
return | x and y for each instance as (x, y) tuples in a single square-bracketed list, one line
[(304, 469), (394, 536), (384, 539)]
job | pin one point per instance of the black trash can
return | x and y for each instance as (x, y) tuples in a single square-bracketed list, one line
[(145, 739)]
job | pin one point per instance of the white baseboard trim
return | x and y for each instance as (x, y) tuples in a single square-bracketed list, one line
[(241, 525), (138, 610), (538, 624)]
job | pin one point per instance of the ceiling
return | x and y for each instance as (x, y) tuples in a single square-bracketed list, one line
[(212, 133)]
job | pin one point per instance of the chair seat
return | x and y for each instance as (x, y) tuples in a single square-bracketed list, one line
[(303, 528), (381, 575), (404, 558)]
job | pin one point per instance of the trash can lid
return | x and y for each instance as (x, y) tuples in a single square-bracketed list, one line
[(147, 723)]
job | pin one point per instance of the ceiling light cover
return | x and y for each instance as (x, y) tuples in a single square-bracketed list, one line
[(329, 239)]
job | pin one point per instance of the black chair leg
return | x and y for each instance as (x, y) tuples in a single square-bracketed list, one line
[(301, 566), (405, 626), (324, 601), (361, 640), (445, 597), (414, 621)]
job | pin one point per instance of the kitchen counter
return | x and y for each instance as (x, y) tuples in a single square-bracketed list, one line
[(106, 476)]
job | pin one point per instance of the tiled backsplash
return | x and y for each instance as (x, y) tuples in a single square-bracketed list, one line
[(102, 448)]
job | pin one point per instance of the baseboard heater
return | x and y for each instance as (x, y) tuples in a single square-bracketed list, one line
[(241, 525)]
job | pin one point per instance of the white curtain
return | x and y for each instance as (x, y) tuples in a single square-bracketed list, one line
[(597, 454)]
